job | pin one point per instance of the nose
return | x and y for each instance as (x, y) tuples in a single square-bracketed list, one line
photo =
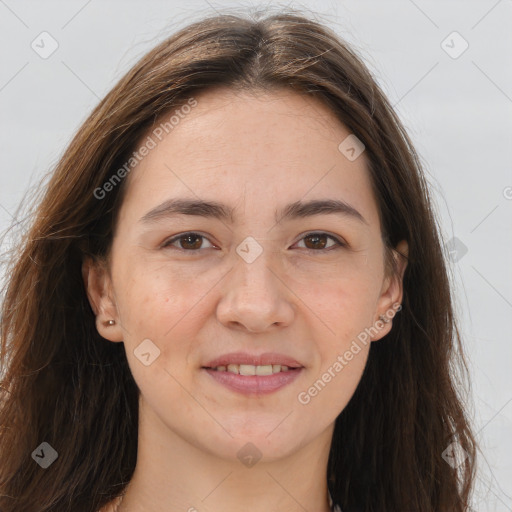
[(255, 298)]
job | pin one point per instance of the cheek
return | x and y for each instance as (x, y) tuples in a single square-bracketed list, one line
[(155, 299), (344, 304), (158, 319), (334, 385), (343, 311), (168, 310)]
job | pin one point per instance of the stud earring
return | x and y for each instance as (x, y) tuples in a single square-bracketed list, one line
[(110, 322)]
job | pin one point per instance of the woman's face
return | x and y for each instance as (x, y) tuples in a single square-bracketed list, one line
[(299, 284)]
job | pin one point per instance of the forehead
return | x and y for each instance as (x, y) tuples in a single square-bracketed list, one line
[(267, 147)]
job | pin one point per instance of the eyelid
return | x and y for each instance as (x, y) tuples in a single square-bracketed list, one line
[(339, 242), (167, 243)]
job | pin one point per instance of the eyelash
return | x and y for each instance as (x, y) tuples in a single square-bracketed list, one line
[(338, 242)]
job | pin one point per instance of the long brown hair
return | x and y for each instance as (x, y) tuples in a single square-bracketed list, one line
[(65, 385)]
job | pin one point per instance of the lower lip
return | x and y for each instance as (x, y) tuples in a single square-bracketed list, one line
[(254, 384)]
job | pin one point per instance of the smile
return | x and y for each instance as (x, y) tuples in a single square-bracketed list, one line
[(245, 380), (249, 369)]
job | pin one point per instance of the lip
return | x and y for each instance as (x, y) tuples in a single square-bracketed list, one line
[(254, 384), (253, 359)]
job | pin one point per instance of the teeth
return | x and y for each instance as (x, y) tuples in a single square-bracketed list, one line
[(262, 370), (249, 369)]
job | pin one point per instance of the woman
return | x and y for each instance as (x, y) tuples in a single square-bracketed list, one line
[(233, 295)]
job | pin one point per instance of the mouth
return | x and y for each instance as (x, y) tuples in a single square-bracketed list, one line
[(246, 362), (249, 369), (254, 374)]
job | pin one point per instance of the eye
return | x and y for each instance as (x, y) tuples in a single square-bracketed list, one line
[(192, 242), (318, 241), (188, 241)]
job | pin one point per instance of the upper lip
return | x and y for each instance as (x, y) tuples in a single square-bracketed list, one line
[(267, 358)]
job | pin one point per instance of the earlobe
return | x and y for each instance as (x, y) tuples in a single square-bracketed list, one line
[(98, 287)]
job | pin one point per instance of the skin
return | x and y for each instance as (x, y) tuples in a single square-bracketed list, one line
[(255, 152)]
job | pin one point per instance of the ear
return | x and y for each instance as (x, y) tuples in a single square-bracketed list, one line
[(390, 299), (98, 285)]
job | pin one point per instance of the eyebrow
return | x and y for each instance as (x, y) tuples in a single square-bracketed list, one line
[(216, 210)]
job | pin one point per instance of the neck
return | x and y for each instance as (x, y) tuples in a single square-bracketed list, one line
[(172, 475)]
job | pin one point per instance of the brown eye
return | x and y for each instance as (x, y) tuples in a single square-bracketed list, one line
[(187, 241), (319, 241), (192, 242)]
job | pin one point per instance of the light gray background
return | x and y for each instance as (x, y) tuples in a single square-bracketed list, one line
[(457, 110)]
